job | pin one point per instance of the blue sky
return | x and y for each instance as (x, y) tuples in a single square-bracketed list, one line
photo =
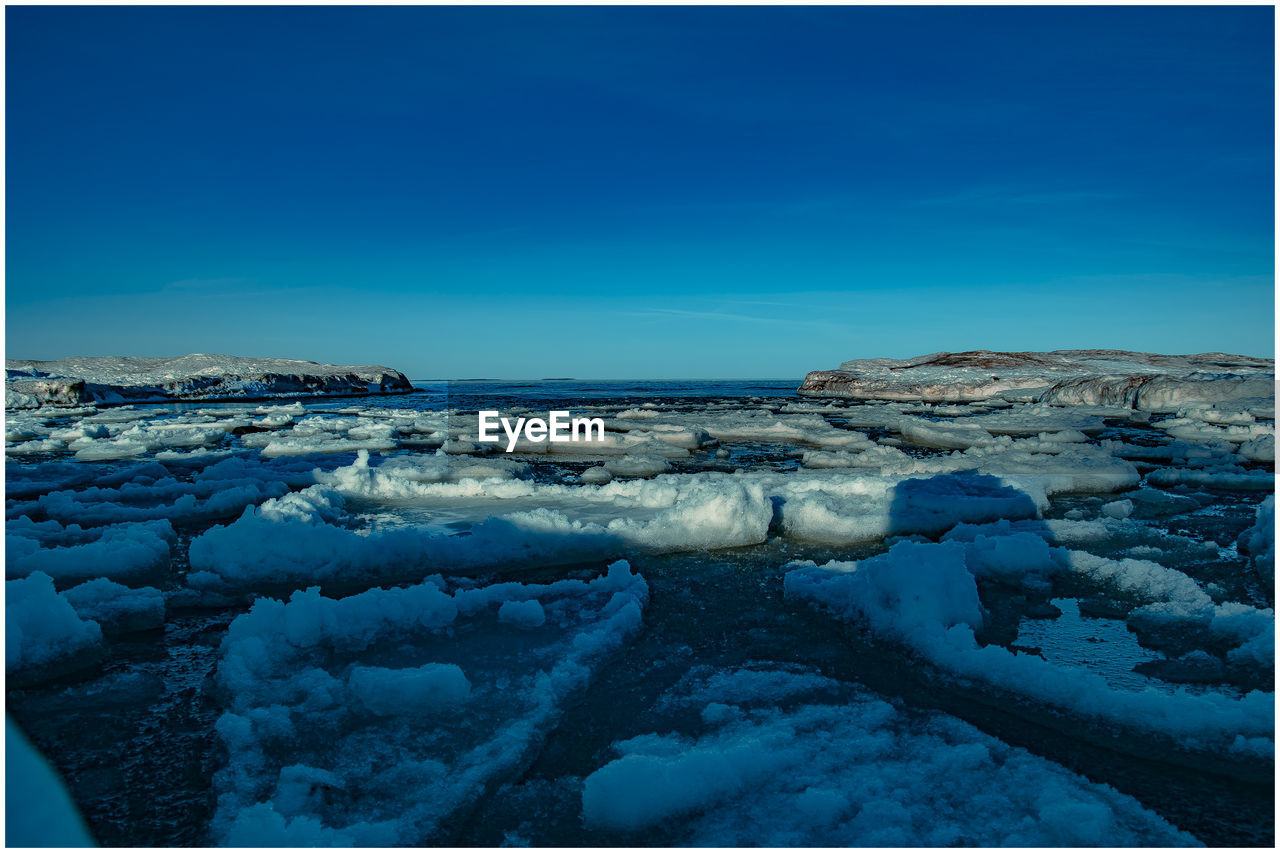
[(637, 192)]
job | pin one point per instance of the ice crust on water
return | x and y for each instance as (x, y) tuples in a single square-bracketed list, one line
[(1226, 477), (409, 473), (852, 508), (155, 498), (523, 614), (301, 537), (114, 550), (758, 426), (1049, 464), (518, 522), (103, 497), (118, 609), (596, 476), (1118, 509), (308, 536), (792, 759), (1115, 537), (43, 630), (1259, 542), (924, 595), (1261, 448), (123, 433), (637, 466), (273, 431), (659, 435), (371, 719), (391, 692), (48, 633), (137, 504)]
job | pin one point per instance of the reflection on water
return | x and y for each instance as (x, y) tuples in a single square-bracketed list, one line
[(1104, 646)]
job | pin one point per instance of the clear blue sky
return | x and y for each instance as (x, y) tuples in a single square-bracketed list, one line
[(632, 192)]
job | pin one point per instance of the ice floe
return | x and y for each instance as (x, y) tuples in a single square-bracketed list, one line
[(792, 759), (43, 632), (113, 550), (981, 517), (373, 719), (1259, 542), (925, 596)]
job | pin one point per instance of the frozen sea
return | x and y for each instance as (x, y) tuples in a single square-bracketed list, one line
[(743, 618)]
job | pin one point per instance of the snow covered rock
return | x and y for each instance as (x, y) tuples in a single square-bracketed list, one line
[(121, 379), (1064, 377), (34, 393)]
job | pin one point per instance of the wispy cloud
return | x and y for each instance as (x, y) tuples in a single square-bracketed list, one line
[(219, 287), (775, 320), (998, 197), (190, 285)]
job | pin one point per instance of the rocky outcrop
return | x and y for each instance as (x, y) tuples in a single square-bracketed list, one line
[(1138, 380), (34, 393), (119, 379)]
